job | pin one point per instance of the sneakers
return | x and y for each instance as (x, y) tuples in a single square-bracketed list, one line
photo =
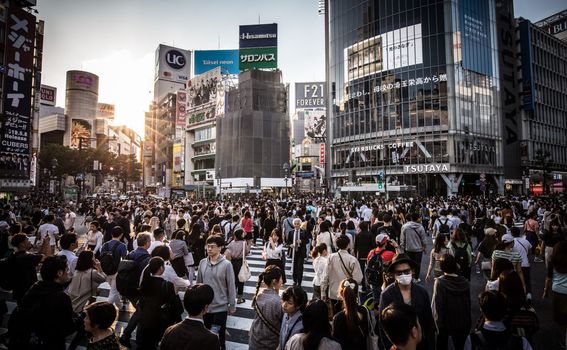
[(240, 301)]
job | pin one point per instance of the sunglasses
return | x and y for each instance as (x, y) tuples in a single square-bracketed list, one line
[(402, 272)]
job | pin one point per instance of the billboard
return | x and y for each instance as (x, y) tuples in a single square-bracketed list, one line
[(205, 60), (258, 35), (258, 58), (105, 110), (178, 157), (172, 64), (15, 121), (315, 125), (80, 129), (79, 80), (181, 108), (528, 87), (395, 49), (201, 115), (475, 35), (310, 95), (48, 95), (204, 88)]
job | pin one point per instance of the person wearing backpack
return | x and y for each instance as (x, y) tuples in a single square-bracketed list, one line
[(443, 225), (363, 244), (493, 334), (111, 253), (460, 248), (451, 304), (128, 281), (378, 260)]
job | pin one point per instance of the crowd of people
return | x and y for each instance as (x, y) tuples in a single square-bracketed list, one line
[(168, 257)]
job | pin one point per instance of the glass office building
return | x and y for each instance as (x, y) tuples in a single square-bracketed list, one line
[(415, 102)]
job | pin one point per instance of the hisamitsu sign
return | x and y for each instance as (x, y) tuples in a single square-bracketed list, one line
[(258, 35)]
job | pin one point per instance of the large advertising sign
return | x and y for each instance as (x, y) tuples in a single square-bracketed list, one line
[(555, 24), (172, 64), (258, 35), (178, 157), (528, 87), (48, 95), (80, 129), (259, 58), (395, 49), (15, 122), (206, 60), (181, 108), (105, 110), (310, 95), (475, 35), (203, 89), (315, 125), (79, 80)]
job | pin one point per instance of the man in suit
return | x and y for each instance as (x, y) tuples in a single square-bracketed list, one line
[(191, 333), (298, 240)]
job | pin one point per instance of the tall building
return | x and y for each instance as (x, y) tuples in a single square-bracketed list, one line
[(543, 59), (21, 50), (252, 139), (417, 96)]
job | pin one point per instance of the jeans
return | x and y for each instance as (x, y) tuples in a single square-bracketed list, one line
[(218, 319), (362, 263), (416, 256)]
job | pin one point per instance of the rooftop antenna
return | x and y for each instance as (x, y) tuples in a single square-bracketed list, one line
[(219, 42), (258, 18)]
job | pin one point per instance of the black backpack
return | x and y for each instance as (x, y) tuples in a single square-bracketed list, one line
[(375, 269), (444, 228), (461, 255), (7, 277), (108, 260), (128, 277), (491, 341)]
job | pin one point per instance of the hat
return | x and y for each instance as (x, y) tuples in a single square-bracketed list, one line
[(401, 259), (490, 231), (507, 238), (382, 238)]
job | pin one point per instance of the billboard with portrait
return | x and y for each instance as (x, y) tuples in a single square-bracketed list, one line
[(395, 49), (172, 64), (80, 129), (315, 125), (227, 60), (203, 89)]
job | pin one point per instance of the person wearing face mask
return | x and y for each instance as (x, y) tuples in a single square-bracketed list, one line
[(405, 291)]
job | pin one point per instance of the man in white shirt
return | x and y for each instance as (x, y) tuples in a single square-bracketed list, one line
[(48, 229), (69, 218), (68, 245), (523, 246)]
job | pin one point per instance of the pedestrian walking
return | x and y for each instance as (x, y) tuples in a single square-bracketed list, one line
[(413, 241), (237, 250)]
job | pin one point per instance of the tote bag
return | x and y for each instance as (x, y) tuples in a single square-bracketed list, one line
[(244, 273)]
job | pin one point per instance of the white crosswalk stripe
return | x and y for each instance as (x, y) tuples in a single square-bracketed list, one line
[(238, 324)]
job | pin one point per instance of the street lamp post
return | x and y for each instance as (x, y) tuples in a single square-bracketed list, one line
[(54, 164), (220, 182), (286, 176)]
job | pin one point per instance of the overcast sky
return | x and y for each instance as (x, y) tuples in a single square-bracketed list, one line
[(117, 40)]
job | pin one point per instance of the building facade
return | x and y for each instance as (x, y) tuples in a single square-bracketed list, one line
[(543, 59), (415, 96)]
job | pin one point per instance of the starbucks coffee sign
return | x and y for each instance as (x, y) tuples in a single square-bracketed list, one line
[(427, 168)]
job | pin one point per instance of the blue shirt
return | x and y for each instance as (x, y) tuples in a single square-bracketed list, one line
[(290, 326)]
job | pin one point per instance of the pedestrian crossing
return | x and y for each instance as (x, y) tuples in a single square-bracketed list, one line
[(238, 324)]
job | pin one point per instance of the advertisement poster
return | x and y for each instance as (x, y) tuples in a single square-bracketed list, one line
[(80, 129), (48, 95), (181, 108), (395, 49), (475, 35), (227, 60), (15, 122), (172, 64), (258, 35), (105, 110), (315, 125), (203, 89), (310, 95), (259, 58)]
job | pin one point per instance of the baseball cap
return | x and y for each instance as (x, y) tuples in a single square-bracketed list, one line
[(382, 238), (507, 238)]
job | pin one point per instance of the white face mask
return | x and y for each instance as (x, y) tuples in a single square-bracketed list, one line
[(404, 279)]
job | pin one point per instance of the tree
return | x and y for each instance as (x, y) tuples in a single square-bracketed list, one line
[(126, 169)]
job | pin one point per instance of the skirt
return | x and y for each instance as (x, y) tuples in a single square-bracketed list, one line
[(560, 308)]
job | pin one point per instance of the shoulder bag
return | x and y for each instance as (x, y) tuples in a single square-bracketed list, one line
[(264, 320), (244, 273), (371, 337), (349, 273)]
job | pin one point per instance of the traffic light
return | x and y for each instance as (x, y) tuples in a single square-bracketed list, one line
[(381, 180)]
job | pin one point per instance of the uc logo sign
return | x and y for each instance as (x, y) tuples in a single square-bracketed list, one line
[(175, 59)]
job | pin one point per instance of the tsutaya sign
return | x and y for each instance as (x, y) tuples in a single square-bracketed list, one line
[(426, 168)]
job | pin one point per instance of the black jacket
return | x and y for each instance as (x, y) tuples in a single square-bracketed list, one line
[(420, 301), (363, 244), (189, 334), (302, 249), (156, 293), (452, 305)]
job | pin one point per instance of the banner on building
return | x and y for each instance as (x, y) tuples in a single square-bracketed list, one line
[(204, 89), (178, 157), (321, 153), (310, 95), (258, 35), (181, 108), (105, 111), (475, 35), (80, 129), (48, 95), (172, 64), (315, 125), (227, 60), (259, 58), (16, 118)]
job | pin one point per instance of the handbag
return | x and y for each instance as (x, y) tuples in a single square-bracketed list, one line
[(92, 298), (167, 313), (372, 337), (244, 274)]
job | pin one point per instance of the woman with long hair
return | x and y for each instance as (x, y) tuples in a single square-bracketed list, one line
[(238, 249), (460, 248), (316, 330), (94, 238), (196, 246), (88, 276), (99, 318), (264, 332), (273, 251), (439, 249), (350, 326), (556, 281), (160, 307)]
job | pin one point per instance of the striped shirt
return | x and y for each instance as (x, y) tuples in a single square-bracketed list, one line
[(514, 257)]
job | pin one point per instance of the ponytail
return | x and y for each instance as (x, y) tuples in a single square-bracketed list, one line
[(151, 268), (349, 293), (271, 273), (258, 285)]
